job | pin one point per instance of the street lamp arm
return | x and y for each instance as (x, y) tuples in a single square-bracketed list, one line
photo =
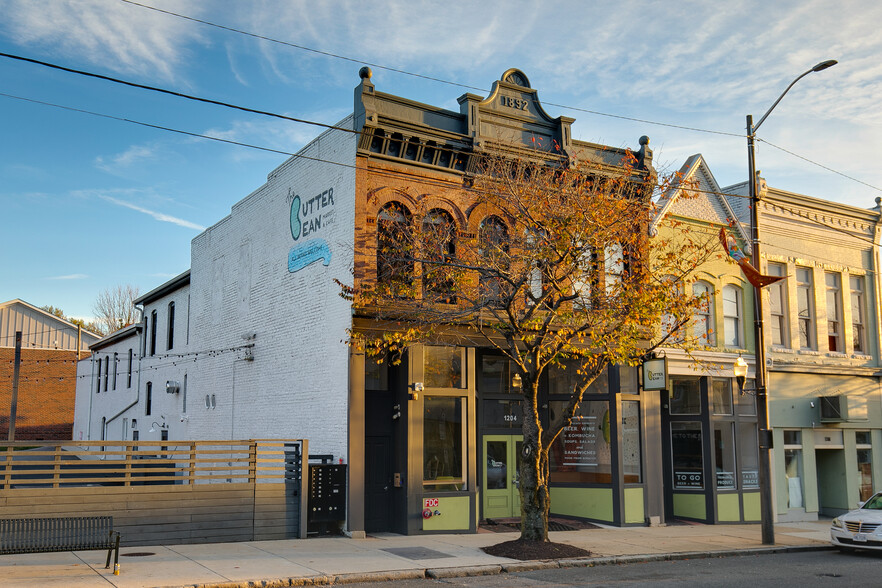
[(819, 67)]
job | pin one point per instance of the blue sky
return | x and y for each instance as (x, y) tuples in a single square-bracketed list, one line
[(90, 202)]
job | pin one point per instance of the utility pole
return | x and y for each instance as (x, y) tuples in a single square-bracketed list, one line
[(13, 407)]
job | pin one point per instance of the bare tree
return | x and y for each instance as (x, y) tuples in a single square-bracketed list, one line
[(559, 270), (115, 308)]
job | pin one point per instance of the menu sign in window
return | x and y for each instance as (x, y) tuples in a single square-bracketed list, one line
[(580, 441)]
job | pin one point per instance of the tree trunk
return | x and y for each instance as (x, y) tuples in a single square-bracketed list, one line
[(533, 477)]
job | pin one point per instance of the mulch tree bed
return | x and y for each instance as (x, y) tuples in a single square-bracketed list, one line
[(531, 550)]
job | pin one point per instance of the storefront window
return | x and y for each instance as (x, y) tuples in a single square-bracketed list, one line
[(631, 453), (562, 380), (687, 456), (444, 442), (865, 464), (747, 401), (685, 396), (722, 397), (628, 380), (724, 455), (581, 452), (749, 455), (502, 414), (443, 367), (496, 375), (793, 468)]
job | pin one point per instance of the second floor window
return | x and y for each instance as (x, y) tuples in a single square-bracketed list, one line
[(703, 321), (805, 308), (129, 373), (115, 368), (153, 323), (778, 306), (439, 249), (494, 249), (394, 248), (732, 336), (834, 312), (857, 312), (171, 325)]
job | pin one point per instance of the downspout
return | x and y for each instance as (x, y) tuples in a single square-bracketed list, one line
[(142, 344)]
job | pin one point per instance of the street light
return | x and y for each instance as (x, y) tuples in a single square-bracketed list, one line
[(762, 407)]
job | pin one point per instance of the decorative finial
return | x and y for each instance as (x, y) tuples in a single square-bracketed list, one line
[(644, 140), (365, 73)]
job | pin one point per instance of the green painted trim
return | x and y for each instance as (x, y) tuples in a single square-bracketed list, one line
[(728, 508), (456, 514), (588, 503), (752, 510), (634, 512), (691, 506)]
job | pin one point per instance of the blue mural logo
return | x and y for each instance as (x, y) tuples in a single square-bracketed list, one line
[(295, 218), (308, 253)]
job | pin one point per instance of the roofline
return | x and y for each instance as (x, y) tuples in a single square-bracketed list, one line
[(160, 291), (123, 333), (48, 314)]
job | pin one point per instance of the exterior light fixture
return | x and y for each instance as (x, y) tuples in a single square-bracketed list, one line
[(516, 382), (155, 425), (740, 369)]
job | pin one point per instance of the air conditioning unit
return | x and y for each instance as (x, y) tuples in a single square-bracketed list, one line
[(834, 409), (172, 387)]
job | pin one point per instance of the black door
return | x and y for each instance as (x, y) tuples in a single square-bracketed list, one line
[(379, 459)]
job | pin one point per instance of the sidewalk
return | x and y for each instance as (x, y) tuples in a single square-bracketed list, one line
[(307, 562)]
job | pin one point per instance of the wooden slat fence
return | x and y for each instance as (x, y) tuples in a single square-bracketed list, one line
[(163, 491)]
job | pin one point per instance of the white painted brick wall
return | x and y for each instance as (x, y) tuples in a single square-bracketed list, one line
[(297, 385)]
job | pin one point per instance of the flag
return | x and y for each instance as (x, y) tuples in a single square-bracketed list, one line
[(751, 273)]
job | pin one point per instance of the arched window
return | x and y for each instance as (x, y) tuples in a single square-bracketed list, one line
[(703, 320), (394, 247), (669, 321), (614, 266), (439, 248), (494, 248), (732, 327)]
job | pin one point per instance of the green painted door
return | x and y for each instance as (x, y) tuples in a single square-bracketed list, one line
[(501, 496)]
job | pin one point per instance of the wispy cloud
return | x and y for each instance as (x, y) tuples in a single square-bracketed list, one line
[(113, 35), (131, 156), (69, 277), (162, 217)]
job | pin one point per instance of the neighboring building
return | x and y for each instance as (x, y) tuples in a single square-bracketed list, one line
[(263, 350), (136, 378), (47, 384), (708, 429), (823, 339)]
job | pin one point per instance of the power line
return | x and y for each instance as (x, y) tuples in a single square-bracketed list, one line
[(347, 165), (173, 93), (327, 126), (830, 169), (413, 74)]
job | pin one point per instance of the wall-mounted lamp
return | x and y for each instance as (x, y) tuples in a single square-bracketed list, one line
[(517, 382), (153, 427), (416, 388), (740, 369)]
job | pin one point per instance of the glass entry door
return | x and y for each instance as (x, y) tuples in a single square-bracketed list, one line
[(501, 495)]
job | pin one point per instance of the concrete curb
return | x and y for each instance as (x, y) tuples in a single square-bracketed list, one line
[(506, 568)]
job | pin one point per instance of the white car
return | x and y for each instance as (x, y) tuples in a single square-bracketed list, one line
[(861, 528)]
